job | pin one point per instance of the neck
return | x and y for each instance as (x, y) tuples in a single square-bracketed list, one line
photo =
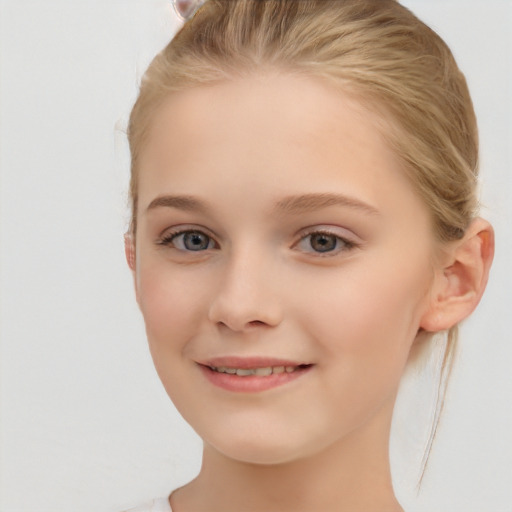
[(351, 475)]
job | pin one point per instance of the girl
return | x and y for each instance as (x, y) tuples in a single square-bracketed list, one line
[(304, 217)]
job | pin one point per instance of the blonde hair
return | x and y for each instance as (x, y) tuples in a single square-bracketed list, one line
[(376, 49)]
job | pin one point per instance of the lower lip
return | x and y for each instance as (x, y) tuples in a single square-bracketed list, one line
[(251, 383)]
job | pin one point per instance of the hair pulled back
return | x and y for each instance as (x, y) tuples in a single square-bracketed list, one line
[(376, 49)]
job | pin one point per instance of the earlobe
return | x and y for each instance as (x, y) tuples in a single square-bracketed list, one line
[(129, 250), (461, 281)]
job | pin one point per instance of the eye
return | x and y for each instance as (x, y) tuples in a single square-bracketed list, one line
[(324, 242), (188, 240)]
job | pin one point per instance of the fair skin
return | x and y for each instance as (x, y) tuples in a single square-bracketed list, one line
[(275, 228)]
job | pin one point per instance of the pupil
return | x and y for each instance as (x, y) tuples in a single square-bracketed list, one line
[(196, 241), (323, 243)]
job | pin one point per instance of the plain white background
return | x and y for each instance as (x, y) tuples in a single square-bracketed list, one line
[(85, 424)]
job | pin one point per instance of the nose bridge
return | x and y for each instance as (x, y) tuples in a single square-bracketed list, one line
[(246, 295)]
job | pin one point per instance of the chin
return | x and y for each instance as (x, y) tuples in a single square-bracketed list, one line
[(261, 449), (249, 453)]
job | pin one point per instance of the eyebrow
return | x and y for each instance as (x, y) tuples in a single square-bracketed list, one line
[(292, 205), (187, 203), (312, 202)]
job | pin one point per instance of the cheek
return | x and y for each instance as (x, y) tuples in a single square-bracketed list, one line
[(172, 309), (170, 304), (370, 311), (364, 325)]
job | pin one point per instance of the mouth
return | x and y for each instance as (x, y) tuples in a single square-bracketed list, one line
[(251, 375), (265, 371)]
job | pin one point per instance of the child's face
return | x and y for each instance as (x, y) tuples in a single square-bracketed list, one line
[(275, 228)]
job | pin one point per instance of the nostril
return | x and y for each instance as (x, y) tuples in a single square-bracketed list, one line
[(248, 326), (237, 313)]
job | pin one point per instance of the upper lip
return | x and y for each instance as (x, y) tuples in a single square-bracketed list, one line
[(249, 362)]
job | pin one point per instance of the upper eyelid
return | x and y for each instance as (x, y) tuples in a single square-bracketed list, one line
[(346, 234), (186, 228)]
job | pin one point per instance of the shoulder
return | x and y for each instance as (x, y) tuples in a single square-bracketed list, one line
[(156, 505)]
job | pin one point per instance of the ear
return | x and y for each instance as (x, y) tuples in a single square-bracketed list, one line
[(461, 280), (129, 250)]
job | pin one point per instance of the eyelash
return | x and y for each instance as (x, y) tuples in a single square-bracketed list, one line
[(346, 245), (170, 238)]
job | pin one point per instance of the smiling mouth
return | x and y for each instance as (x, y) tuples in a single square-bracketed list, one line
[(258, 372), (252, 374)]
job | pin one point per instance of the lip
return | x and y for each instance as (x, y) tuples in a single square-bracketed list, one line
[(249, 362), (251, 383)]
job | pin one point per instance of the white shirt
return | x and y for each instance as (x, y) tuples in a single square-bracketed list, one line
[(156, 505)]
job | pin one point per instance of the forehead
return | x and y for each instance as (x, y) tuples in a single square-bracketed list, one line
[(291, 131), (289, 107)]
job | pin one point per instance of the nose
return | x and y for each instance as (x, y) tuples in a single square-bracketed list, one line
[(247, 295)]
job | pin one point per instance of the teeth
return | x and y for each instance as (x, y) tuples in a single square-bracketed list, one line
[(260, 372), (244, 372), (263, 372)]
